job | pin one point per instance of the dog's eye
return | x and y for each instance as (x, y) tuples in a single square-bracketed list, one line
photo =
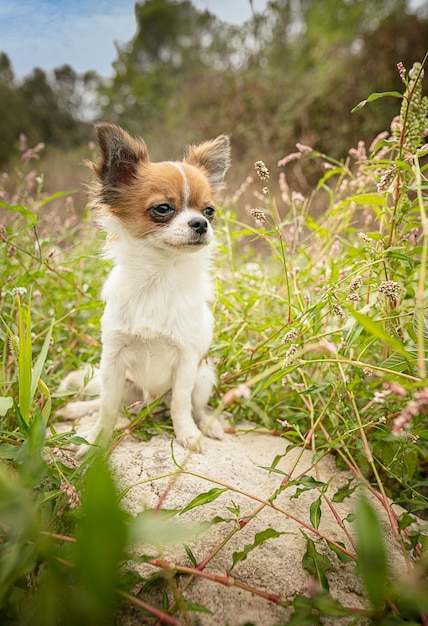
[(209, 212), (162, 211)]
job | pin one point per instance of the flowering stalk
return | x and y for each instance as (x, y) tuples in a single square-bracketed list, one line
[(420, 295), (263, 173), (410, 128)]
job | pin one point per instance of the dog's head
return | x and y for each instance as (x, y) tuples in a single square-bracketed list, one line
[(171, 203)]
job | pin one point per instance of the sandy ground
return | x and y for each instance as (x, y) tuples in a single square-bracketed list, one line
[(239, 464)]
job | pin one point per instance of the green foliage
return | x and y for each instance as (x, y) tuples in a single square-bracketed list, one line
[(203, 498), (321, 338), (372, 562), (316, 563), (259, 539), (101, 538), (46, 109)]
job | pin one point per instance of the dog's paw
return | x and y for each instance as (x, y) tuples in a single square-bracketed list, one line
[(211, 427), (215, 430), (94, 436), (192, 439)]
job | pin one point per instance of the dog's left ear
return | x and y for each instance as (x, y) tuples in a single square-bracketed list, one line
[(119, 157), (212, 156)]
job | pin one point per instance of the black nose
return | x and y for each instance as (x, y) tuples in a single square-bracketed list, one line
[(199, 224)]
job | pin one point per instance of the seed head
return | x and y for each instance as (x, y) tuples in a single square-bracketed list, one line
[(262, 170), (338, 310), (364, 238), (355, 284), (289, 355), (390, 289), (386, 180), (289, 336), (258, 215)]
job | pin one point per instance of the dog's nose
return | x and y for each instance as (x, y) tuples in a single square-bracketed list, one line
[(199, 224)]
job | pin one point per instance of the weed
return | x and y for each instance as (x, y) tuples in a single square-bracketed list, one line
[(322, 339)]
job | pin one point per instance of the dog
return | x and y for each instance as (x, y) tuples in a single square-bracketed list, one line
[(157, 325)]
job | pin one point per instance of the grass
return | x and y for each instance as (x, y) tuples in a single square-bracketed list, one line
[(322, 338)]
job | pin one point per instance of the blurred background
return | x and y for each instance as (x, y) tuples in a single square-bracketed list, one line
[(270, 73)]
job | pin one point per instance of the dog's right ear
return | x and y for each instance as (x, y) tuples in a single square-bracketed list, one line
[(213, 157), (119, 156)]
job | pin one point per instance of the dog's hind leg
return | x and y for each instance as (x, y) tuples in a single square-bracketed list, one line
[(80, 408)]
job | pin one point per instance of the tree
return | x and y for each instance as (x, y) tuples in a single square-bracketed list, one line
[(175, 47), (6, 72)]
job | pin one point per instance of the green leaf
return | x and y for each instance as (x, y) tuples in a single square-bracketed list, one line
[(156, 527), (303, 614), (190, 554), (329, 606), (315, 512), (345, 558), (29, 215), (8, 451), (315, 563), (6, 403), (420, 324), (195, 606), (372, 563), (376, 96), (396, 362), (308, 483), (29, 460), (376, 330), (204, 498), (259, 538), (371, 199), (100, 546), (54, 196), (40, 361), (24, 361), (343, 492), (329, 173)]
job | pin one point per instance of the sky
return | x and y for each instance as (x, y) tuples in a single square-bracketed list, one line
[(81, 33)]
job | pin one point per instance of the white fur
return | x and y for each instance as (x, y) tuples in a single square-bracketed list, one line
[(156, 329), (156, 326)]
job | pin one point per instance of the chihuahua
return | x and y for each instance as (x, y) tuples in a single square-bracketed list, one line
[(157, 325)]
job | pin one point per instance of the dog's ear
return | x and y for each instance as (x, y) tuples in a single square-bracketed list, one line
[(119, 156), (212, 156)]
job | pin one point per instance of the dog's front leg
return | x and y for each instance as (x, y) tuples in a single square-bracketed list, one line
[(113, 377), (186, 431)]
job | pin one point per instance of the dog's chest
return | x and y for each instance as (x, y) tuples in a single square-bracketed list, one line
[(151, 364), (160, 306)]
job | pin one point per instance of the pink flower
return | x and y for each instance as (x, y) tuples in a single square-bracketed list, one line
[(401, 71), (293, 156)]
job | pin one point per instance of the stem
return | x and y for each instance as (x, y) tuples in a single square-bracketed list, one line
[(227, 581), (420, 295), (163, 617), (273, 506), (373, 467)]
